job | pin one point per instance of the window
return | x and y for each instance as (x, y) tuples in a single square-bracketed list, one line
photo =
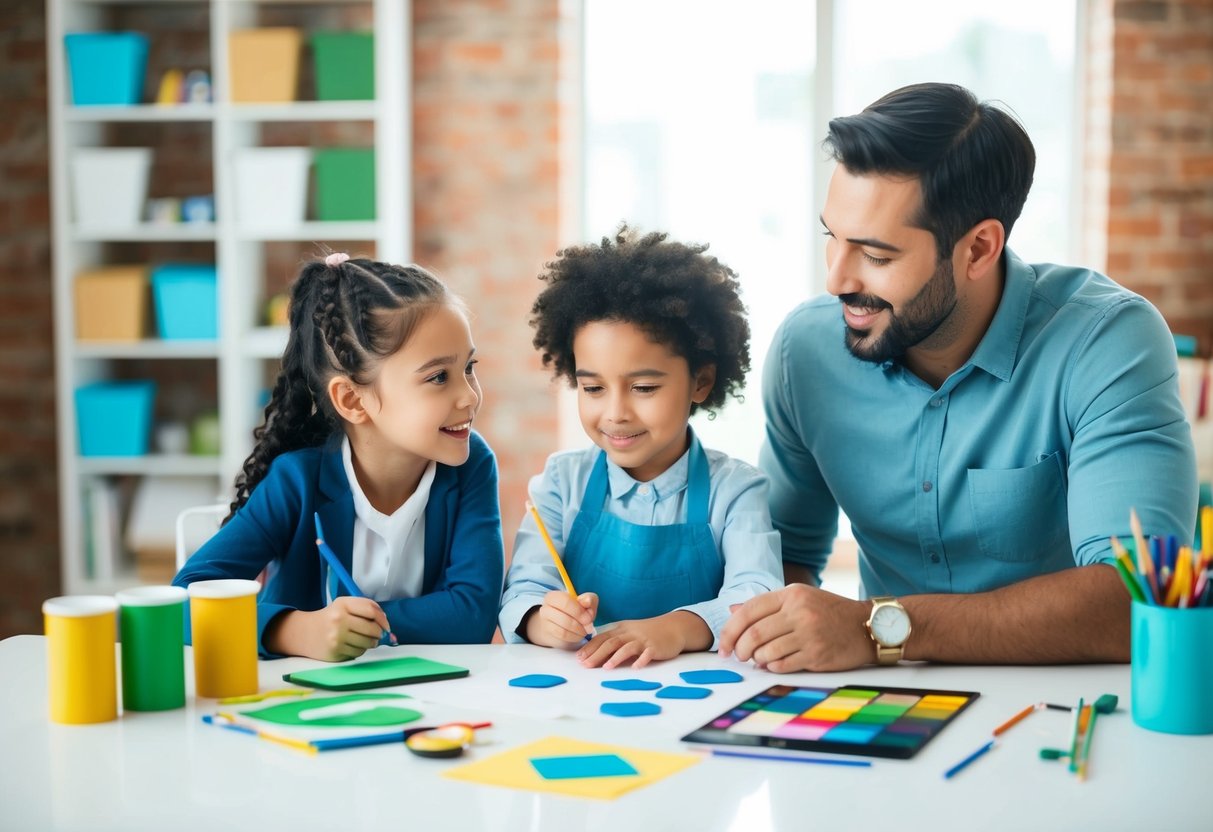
[(699, 120)]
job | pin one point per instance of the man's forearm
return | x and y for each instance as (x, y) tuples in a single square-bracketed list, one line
[(1078, 615)]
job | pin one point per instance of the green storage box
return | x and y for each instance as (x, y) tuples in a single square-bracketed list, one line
[(345, 184), (345, 65)]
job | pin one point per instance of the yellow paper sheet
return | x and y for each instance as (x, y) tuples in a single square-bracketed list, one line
[(513, 768)]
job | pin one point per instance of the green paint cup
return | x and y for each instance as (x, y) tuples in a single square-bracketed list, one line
[(151, 621)]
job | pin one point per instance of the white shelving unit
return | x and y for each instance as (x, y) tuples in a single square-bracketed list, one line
[(243, 348)]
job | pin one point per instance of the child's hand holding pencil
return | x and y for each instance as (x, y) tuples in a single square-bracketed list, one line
[(565, 619)]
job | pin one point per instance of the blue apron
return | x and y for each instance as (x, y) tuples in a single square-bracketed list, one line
[(645, 571)]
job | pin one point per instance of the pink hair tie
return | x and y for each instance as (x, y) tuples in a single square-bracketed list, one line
[(336, 258)]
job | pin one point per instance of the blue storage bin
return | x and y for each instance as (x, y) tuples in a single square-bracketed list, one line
[(106, 67), (186, 301), (115, 417)]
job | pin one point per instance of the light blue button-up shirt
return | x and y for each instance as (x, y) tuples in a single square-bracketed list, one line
[(1023, 462), (737, 512)]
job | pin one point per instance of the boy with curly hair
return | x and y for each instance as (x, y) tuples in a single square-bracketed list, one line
[(661, 535)]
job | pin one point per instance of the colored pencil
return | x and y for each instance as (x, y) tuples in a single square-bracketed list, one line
[(1015, 719), (963, 764), (1081, 715), (259, 697), (343, 576), (1129, 581), (338, 743), (547, 538), (1145, 566), (228, 721), (821, 761)]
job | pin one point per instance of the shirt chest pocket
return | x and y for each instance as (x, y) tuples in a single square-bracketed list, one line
[(1019, 514)]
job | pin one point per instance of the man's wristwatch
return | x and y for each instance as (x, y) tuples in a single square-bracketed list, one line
[(889, 627)]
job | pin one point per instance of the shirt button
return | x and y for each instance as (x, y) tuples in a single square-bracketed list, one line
[(934, 557), (642, 490), (926, 486), (936, 402)]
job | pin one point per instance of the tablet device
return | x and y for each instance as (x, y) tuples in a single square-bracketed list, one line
[(866, 720), (376, 674)]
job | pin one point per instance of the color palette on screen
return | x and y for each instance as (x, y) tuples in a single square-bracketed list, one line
[(853, 719)]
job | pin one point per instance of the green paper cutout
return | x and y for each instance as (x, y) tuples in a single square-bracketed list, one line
[(389, 713)]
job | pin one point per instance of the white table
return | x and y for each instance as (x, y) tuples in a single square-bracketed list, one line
[(169, 770)]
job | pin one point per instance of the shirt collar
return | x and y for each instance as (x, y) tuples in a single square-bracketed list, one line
[(670, 481), (999, 347), (387, 525)]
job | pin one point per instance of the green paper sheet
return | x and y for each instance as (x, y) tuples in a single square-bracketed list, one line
[(377, 674)]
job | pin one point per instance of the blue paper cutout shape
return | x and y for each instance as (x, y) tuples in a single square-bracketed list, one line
[(710, 677), (630, 684), (584, 765), (537, 680), (679, 692), (629, 708)]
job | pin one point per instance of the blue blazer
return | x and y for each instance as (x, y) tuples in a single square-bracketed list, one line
[(464, 554)]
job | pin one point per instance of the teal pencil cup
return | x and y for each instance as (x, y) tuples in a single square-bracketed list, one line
[(1172, 672)]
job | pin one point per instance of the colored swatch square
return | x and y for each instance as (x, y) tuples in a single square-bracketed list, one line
[(851, 733), (584, 765)]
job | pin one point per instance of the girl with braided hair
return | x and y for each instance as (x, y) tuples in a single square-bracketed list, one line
[(369, 427)]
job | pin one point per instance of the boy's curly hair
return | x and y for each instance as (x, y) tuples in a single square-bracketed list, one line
[(674, 292)]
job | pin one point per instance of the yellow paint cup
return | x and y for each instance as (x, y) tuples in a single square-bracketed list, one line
[(81, 672), (223, 618)]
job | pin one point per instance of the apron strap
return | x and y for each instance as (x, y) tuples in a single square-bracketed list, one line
[(596, 487), (699, 483)]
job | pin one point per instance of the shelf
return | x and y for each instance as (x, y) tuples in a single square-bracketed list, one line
[(315, 232), (148, 233), (304, 111), (141, 112), (158, 464), (147, 348), (265, 342)]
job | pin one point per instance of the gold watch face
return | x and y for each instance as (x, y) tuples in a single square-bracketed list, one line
[(890, 625)]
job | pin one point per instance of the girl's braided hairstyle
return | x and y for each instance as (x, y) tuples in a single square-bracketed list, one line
[(345, 318)]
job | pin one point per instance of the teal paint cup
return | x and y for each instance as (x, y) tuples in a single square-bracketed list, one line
[(151, 623), (1172, 669)]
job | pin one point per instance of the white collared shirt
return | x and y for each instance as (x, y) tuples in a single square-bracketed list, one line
[(388, 549)]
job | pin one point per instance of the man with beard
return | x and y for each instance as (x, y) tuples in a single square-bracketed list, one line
[(985, 424)]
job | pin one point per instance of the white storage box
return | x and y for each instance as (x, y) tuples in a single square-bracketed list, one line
[(109, 185), (271, 187)]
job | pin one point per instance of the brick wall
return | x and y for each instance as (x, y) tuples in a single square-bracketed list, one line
[(486, 177), (1150, 84), (29, 513)]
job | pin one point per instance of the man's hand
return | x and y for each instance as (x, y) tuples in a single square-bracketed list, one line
[(562, 621), (799, 627), (345, 629)]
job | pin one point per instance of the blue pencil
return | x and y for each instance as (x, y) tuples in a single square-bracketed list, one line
[(822, 761), (343, 577), (956, 769)]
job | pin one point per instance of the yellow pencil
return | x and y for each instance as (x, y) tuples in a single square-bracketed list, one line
[(1206, 531), (547, 538), (1145, 564)]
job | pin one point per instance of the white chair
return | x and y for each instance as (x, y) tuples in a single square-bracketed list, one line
[(195, 526)]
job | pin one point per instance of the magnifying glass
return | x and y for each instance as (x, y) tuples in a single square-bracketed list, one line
[(443, 741), (447, 740)]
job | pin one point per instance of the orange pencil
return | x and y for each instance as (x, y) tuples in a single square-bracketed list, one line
[(1013, 720)]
